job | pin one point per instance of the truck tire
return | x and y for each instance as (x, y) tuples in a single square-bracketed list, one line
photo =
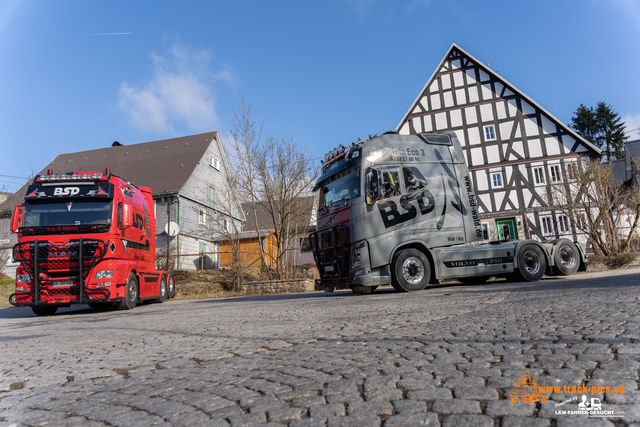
[(44, 310), (131, 294), (531, 263), (171, 286), (566, 258), (162, 295), (410, 270)]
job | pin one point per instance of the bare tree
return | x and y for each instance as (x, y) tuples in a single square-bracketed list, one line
[(599, 205), (271, 174)]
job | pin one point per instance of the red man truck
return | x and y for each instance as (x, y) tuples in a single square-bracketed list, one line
[(86, 238)]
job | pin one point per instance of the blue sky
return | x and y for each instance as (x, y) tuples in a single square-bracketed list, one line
[(321, 72)]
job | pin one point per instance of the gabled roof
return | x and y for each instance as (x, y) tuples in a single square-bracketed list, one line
[(633, 147), (163, 165), (265, 221), (455, 51)]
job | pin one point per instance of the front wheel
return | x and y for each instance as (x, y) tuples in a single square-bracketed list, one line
[(531, 263), (410, 270), (131, 295), (44, 310)]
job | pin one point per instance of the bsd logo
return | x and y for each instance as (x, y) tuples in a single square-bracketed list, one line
[(66, 191)]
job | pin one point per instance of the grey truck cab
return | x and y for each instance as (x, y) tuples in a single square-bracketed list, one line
[(401, 210)]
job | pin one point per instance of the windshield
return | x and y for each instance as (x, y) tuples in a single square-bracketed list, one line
[(345, 185), (52, 213)]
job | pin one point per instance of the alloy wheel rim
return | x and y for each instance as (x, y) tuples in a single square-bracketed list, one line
[(413, 270)]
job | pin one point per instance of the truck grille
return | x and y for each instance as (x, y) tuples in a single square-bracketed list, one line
[(59, 260)]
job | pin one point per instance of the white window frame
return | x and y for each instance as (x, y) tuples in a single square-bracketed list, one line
[(493, 180), (538, 175), (490, 133), (214, 163), (546, 222), (202, 216), (555, 173), (564, 224), (225, 223), (572, 170)]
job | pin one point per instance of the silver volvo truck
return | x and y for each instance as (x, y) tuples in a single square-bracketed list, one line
[(401, 210)]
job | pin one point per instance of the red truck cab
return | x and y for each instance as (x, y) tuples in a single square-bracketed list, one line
[(86, 238)]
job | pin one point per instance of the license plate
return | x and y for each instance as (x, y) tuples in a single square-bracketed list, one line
[(328, 268), (61, 283)]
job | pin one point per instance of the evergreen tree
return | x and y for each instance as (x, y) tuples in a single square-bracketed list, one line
[(602, 127), (610, 132)]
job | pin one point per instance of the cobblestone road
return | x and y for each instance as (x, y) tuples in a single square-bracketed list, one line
[(445, 356)]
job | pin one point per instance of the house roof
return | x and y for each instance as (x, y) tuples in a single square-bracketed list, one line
[(633, 147), (163, 165), (619, 170), (265, 222), (514, 89)]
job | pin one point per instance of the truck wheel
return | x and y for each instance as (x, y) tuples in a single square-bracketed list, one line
[(162, 295), (478, 280), (171, 287), (531, 263), (566, 257), (131, 295), (411, 270), (44, 310)]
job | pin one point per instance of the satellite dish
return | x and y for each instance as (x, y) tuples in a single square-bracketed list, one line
[(172, 229)]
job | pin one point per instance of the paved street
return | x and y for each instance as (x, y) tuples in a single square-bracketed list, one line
[(445, 356)]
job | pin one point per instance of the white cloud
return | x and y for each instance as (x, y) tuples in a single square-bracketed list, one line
[(632, 125), (180, 93)]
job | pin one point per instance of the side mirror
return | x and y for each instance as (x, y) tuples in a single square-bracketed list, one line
[(125, 215), (16, 218)]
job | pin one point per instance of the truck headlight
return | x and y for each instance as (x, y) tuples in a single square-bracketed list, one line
[(23, 278), (103, 285), (104, 274), (22, 289)]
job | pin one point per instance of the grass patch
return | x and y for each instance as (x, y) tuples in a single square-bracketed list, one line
[(614, 261), (7, 287), (203, 284)]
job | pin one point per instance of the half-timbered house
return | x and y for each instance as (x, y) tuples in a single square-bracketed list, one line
[(514, 148)]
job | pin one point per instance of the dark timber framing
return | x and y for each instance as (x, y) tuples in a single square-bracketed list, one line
[(466, 96)]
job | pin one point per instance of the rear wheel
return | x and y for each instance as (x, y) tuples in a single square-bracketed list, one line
[(171, 287), (131, 295), (566, 257), (531, 263), (162, 292), (411, 270), (44, 310)]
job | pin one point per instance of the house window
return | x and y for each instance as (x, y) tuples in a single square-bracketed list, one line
[(563, 224), (556, 175), (225, 224), (538, 175), (202, 216), (214, 163), (572, 170), (212, 197), (496, 180), (485, 231), (547, 225), (489, 133)]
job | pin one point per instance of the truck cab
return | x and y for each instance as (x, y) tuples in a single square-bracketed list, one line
[(86, 238)]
